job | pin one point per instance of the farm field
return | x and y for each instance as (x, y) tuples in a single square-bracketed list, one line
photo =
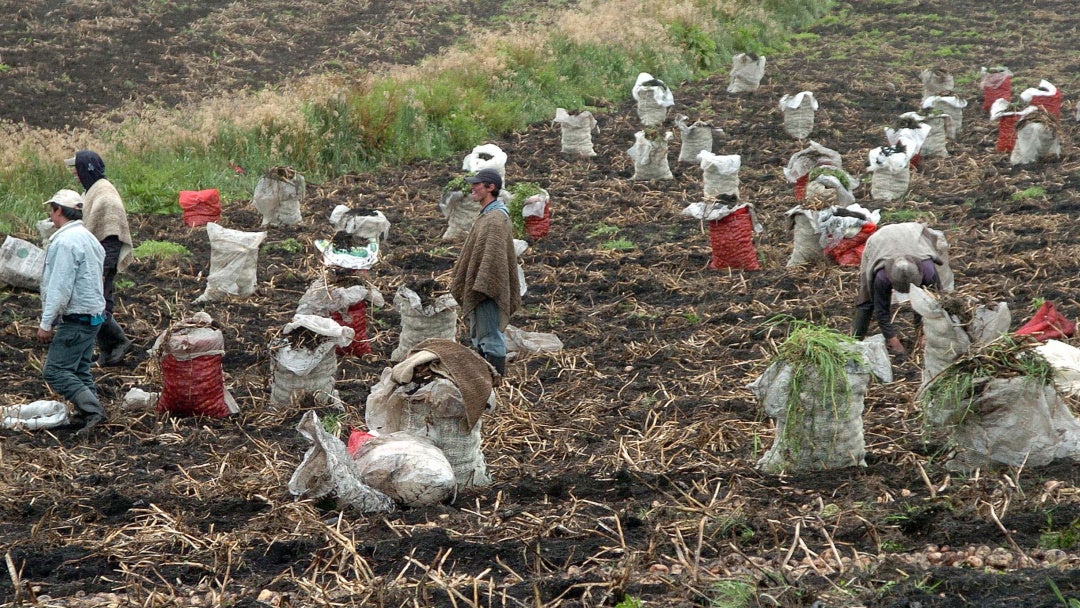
[(623, 465)]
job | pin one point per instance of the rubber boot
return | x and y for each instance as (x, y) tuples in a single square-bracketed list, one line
[(499, 363), (89, 405), (112, 343), (862, 322)]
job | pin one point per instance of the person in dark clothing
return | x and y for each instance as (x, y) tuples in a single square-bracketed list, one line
[(896, 257), (105, 217), (896, 274)]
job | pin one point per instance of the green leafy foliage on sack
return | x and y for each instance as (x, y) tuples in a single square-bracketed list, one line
[(519, 193), (818, 355), (951, 395), (458, 184), (839, 174)]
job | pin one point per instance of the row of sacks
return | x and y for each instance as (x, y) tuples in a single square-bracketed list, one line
[(423, 445), (654, 98), (997, 397), (1028, 130)]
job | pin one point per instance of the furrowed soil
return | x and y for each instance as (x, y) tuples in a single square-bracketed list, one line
[(623, 465)]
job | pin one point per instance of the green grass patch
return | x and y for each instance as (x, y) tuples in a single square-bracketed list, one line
[(731, 593), (290, 245), (898, 216), (603, 229), (160, 250), (434, 113), (1028, 193), (1066, 538), (619, 244)]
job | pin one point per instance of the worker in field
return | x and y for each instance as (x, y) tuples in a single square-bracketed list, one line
[(896, 257), (485, 281), (105, 217), (72, 307)]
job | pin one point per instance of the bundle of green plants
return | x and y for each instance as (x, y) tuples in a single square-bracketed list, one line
[(817, 355), (953, 392), (839, 174), (458, 184), (519, 193)]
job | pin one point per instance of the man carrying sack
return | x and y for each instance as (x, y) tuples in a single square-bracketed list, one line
[(485, 280)]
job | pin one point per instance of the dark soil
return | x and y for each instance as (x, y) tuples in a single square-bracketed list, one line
[(624, 464)]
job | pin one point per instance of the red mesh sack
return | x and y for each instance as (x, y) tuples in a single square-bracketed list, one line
[(200, 207), (732, 242), (995, 87), (358, 322), (1047, 324), (539, 227), (1006, 133), (915, 161), (1050, 103), (800, 187), (194, 387), (848, 252)]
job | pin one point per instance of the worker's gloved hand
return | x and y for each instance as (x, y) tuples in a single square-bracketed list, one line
[(895, 347)]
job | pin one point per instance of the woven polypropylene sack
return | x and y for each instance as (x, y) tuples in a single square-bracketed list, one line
[(200, 206), (994, 87), (356, 318), (799, 122), (195, 387), (1006, 133), (888, 185), (848, 252), (934, 146), (539, 227), (732, 242), (800, 187), (1050, 103), (1034, 141), (21, 263)]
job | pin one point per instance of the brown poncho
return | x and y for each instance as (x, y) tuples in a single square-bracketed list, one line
[(898, 240), (104, 216), (487, 267)]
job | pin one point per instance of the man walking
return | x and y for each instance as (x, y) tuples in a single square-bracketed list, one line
[(485, 280), (105, 217), (72, 306)]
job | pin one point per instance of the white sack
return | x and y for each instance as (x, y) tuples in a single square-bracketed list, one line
[(650, 157), (408, 468), (694, 138), (328, 468), (371, 225), (45, 414), (653, 99), (720, 174), (798, 113), (21, 264), (746, 73), (576, 132), (278, 198), (234, 257), (419, 322), (486, 156)]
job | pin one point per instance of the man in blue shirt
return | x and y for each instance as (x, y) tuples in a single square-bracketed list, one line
[(72, 307)]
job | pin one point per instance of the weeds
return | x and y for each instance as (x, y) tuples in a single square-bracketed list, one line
[(519, 193), (1028, 193), (160, 250), (1071, 602), (732, 593), (950, 397), (619, 244), (603, 229)]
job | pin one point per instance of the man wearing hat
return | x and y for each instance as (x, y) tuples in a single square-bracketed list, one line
[(485, 281), (72, 306), (896, 257), (104, 215)]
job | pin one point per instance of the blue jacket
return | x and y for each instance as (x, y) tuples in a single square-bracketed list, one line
[(71, 283)]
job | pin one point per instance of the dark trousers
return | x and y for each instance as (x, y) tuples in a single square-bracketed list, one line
[(67, 366)]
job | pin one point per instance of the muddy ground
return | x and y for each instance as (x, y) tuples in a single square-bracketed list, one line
[(624, 464)]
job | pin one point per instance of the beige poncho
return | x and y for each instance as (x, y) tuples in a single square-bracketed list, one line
[(487, 267), (898, 240), (104, 216)]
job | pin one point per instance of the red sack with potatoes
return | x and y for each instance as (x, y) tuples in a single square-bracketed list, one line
[(200, 206), (1047, 324)]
